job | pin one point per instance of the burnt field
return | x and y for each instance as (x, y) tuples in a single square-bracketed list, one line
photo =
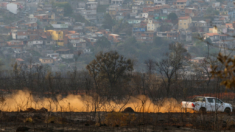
[(41, 121), (23, 112)]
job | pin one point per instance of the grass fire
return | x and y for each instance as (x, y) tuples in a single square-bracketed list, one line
[(23, 100)]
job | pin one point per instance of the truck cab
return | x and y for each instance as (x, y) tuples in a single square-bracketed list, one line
[(207, 104)]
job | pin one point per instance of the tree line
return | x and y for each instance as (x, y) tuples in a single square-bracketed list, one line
[(113, 76)]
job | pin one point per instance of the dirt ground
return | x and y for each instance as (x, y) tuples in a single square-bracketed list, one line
[(115, 122)]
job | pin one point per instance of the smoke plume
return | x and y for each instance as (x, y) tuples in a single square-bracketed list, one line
[(22, 100)]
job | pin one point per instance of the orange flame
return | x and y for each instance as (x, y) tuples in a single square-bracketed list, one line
[(22, 100)]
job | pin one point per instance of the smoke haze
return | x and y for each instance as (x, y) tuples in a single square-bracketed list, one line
[(22, 100)]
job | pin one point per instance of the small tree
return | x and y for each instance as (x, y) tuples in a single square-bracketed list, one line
[(173, 17), (165, 27), (68, 11), (108, 22), (122, 27), (110, 67)]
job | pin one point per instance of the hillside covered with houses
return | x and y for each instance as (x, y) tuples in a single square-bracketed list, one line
[(67, 34)]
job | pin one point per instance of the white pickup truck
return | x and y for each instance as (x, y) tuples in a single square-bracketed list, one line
[(207, 104)]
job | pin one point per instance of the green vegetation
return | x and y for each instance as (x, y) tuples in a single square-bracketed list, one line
[(210, 12), (165, 27), (108, 22), (140, 50), (102, 8), (48, 27), (79, 18), (201, 48), (68, 11), (35, 53), (123, 27), (9, 18), (103, 42), (131, 48), (173, 17), (158, 41)]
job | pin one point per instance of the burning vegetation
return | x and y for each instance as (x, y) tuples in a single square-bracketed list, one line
[(26, 102)]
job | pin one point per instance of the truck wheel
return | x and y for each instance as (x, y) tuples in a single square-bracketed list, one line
[(202, 110), (227, 110)]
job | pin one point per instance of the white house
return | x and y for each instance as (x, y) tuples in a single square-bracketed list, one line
[(35, 42), (67, 56), (21, 35), (117, 2), (160, 2), (14, 34), (79, 40), (86, 51), (50, 42), (216, 4), (31, 18), (53, 55), (92, 5), (80, 45), (89, 14), (60, 26), (103, 2), (151, 26), (12, 7), (134, 9), (145, 15)]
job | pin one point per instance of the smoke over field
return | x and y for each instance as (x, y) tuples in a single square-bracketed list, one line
[(22, 100)]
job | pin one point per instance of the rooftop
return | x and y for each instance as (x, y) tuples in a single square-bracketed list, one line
[(181, 0), (45, 58), (184, 18), (19, 59), (211, 34), (63, 50), (113, 34)]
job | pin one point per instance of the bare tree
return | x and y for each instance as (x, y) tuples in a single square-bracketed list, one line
[(169, 66), (204, 67), (150, 66)]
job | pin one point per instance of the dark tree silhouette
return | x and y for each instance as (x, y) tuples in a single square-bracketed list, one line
[(173, 17), (103, 42), (109, 66)]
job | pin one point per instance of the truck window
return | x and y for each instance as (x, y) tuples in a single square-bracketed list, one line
[(196, 99), (218, 101), (210, 100)]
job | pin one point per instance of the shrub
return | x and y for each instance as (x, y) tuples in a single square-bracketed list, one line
[(28, 120)]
